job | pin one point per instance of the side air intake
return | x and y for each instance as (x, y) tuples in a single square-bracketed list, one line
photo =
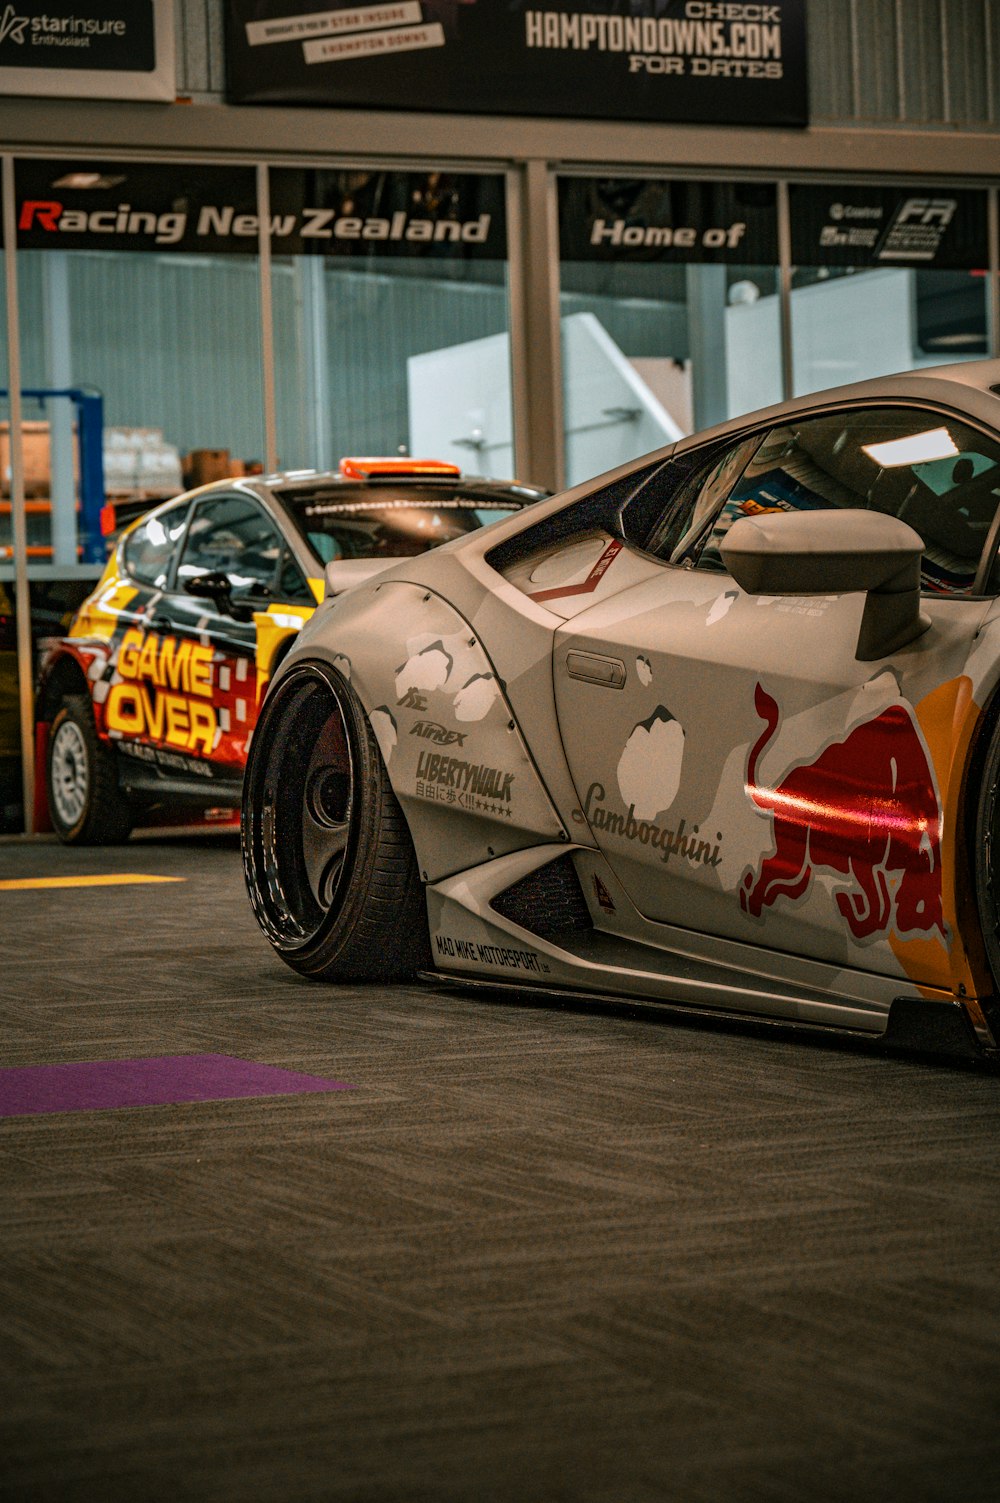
[(548, 902)]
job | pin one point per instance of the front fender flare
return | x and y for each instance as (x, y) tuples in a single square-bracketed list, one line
[(452, 748)]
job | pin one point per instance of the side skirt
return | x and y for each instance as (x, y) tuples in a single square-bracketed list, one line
[(514, 924), (917, 1026), (930, 1030)]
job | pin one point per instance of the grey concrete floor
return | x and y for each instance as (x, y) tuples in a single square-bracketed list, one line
[(535, 1254)]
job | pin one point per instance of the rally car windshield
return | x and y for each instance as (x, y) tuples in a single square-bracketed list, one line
[(390, 523)]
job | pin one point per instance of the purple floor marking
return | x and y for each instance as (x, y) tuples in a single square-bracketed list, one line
[(105, 1084)]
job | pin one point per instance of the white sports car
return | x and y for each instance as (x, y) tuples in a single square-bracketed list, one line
[(718, 729)]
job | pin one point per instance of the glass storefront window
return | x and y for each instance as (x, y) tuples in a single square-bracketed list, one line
[(139, 316), (885, 279), (670, 312), (10, 726), (391, 317), (140, 341), (11, 813), (6, 521)]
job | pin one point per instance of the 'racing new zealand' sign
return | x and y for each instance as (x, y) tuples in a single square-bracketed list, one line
[(683, 60), (142, 206)]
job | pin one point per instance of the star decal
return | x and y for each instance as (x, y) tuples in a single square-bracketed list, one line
[(12, 26)]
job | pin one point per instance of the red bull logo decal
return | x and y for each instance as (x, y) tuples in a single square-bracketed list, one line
[(867, 809)]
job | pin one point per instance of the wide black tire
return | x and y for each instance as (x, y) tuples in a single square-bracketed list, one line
[(329, 862), (985, 784), (86, 804)]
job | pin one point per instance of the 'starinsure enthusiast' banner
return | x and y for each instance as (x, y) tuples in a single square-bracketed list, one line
[(88, 49), (711, 61)]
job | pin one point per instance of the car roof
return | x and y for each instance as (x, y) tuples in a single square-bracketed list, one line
[(289, 492), (304, 485), (973, 385)]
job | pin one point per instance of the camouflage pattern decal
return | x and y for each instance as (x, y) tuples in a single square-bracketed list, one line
[(452, 749)]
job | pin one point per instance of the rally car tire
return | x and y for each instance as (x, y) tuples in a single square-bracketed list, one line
[(329, 861), (86, 805)]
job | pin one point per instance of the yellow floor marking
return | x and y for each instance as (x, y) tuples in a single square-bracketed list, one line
[(116, 879)]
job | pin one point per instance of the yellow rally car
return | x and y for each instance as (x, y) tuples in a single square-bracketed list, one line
[(147, 707)]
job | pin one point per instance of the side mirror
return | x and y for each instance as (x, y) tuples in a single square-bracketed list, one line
[(212, 585), (836, 552), (215, 586), (343, 573)]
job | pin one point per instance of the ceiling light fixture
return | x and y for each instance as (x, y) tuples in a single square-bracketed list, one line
[(88, 180), (918, 448)]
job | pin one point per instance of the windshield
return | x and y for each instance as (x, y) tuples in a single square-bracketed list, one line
[(358, 522)]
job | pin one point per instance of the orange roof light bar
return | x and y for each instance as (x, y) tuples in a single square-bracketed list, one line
[(370, 468)]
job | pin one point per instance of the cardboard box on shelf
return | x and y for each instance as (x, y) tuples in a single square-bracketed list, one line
[(37, 459), (140, 462), (204, 465)]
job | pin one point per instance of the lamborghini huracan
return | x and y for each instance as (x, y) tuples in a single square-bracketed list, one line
[(718, 729)]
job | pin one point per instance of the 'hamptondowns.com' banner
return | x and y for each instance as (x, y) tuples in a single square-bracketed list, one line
[(709, 61)]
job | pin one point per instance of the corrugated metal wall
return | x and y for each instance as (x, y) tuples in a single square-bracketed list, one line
[(375, 321), (172, 342), (201, 65), (917, 63)]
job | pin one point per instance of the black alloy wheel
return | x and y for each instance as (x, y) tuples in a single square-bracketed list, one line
[(329, 862)]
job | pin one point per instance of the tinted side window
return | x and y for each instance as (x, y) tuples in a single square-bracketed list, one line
[(148, 548), (930, 470), (291, 582), (698, 490), (609, 509), (232, 535)]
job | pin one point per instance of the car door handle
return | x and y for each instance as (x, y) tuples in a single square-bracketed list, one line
[(593, 668)]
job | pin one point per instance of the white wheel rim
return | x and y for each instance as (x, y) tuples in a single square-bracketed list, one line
[(70, 772)]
